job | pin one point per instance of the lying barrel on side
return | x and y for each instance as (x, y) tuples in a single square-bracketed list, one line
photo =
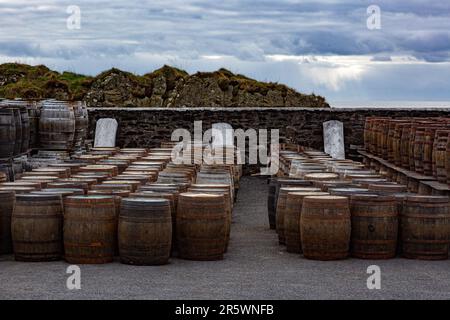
[(201, 226), (90, 229), (374, 226), (425, 227), (145, 231), (325, 227), (36, 227)]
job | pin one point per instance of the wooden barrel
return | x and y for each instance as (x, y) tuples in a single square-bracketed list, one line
[(25, 124), (428, 143), (228, 207), (292, 215), (57, 126), (7, 200), (201, 226), (145, 231), (325, 227), (81, 123), (18, 126), (404, 145), (440, 155), (7, 133), (374, 226), (37, 227), (271, 207), (347, 192), (281, 208), (419, 141), (274, 187), (447, 162), (425, 227), (90, 229)]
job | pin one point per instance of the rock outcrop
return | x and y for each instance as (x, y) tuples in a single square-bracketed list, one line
[(166, 87)]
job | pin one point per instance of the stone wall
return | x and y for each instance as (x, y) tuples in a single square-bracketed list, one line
[(144, 127)]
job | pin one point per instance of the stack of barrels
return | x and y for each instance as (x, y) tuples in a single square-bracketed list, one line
[(132, 202), (51, 125), (421, 145), (330, 209)]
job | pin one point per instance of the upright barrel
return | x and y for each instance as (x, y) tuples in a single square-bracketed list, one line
[(7, 133), (292, 215), (57, 126), (281, 208), (90, 229), (425, 227), (440, 155), (37, 227), (374, 226), (201, 226), (325, 227), (7, 199), (145, 231)]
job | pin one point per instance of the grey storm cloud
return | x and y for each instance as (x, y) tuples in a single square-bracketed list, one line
[(139, 35), (246, 29)]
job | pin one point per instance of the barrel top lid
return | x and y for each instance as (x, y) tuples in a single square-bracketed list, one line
[(205, 185), (321, 175), (90, 197), (432, 199), (16, 188), (119, 192), (62, 190), (349, 189), (326, 198), (38, 196), (145, 200), (7, 193), (200, 195), (40, 178), (373, 197), (293, 189), (307, 193)]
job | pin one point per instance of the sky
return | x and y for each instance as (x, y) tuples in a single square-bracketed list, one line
[(343, 50)]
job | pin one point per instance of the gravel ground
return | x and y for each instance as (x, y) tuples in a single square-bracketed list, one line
[(255, 267)]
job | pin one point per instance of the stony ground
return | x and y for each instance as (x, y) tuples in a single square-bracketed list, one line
[(255, 267)]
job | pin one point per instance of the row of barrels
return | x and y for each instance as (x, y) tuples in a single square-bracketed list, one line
[(331, 215), (421, 145), (152, 218), (48, 124)]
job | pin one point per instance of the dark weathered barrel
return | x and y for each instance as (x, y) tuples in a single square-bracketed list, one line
[(292, 215), (37, 227), (425, 227), (272, 200), (374, 226), (419, 141), (7, 199), (81, 123), (325, 227), (7, 133), (145, 231), (57, 126), (25, 123), (271, 208), (18, 126), (90, 229), (201, 226)]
